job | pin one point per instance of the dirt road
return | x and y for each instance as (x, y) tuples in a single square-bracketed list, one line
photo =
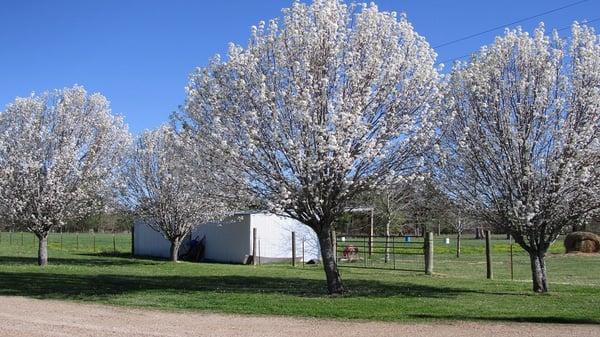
[(21, 316)]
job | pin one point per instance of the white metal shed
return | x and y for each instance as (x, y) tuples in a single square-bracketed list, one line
[(231, 240)]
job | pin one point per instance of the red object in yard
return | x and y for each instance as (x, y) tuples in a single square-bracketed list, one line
[(350, 253)]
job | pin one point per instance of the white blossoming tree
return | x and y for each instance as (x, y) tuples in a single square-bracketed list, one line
[(169, 190), (320, 105), (58, 153), (460, 223), (522, 144), (391, 201)]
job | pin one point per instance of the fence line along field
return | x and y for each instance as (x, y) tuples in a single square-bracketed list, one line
[(85, 242), (576, 269), (457, 290), (380, 252), (563, 268), (573, 269)]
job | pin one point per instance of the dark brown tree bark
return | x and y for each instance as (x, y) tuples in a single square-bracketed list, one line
[(43, 249), (334, 280)]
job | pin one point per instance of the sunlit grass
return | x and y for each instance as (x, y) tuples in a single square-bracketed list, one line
[(457, 291)]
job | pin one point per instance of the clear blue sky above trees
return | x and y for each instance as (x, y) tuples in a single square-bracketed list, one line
[(139, 53)]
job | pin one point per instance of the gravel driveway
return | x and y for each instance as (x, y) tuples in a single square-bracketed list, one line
[(21, 316)]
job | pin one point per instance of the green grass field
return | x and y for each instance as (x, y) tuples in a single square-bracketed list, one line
[(457, 291)]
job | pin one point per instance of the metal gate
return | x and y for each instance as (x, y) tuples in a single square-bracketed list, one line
[(381, 252)]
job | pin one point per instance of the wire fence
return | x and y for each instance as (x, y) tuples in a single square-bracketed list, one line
[(108, 243), (381, 252), (508, 260)]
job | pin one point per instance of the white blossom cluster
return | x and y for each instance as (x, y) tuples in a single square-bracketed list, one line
[(167, 184), (326, 102), (59, 154), (522, 141)]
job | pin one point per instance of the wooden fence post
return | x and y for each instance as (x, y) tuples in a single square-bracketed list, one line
[(428, 245), (302, 252), (365, 250), (511, 258), (254, 256), (458, 244), (132, 241), (488, 255), (293, 249), (394, 250), (371, 234)]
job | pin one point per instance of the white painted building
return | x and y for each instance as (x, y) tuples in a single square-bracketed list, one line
[(231, 240)]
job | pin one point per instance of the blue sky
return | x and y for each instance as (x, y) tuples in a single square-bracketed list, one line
[(139, 53)]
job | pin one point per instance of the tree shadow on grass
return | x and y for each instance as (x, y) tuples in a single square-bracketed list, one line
[(92, 260), (173, 289), (519, 319), (48, 284), (52, 284), (127, 255), (108, 254), (77, 286)]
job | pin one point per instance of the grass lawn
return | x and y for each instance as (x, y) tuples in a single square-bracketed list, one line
[(457, 291)]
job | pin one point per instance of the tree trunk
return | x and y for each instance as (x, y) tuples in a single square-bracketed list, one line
[(175, 250), (387, 241), (538, 272), (334, 281), (480, 233), (458, 245), (43, 249)]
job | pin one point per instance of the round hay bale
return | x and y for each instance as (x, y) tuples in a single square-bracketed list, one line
[(583, 242)]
